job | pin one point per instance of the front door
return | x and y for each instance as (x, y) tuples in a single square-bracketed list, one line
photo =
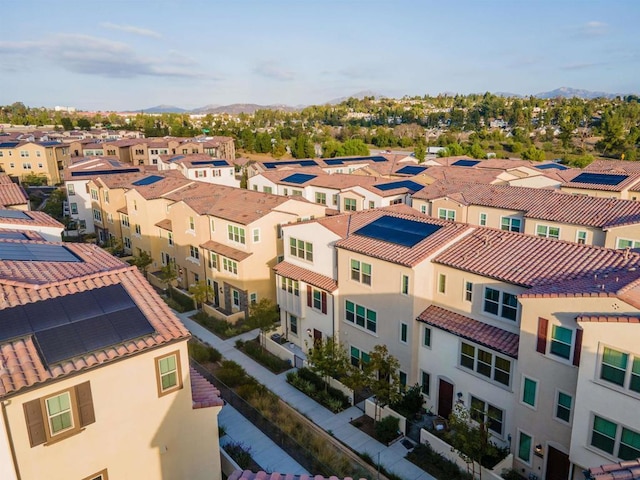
[(216, 294), (317, 336), (445, 398), (557, 465)]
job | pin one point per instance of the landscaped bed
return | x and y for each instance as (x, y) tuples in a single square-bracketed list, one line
[(221, 328), (262, 356), (313, 386)]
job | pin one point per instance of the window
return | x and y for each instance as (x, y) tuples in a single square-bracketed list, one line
[(625, 243), (293, 324), (524, 447), (404, 332), (350, 204), (581, 237), (236, 234), (446, 214), (484, 412), (334, 199), (267, 189), (124, 220), (510, 224), (301, 249), (229, 265), (529, 391), (106, 196), (127, 242), (361, 316), (94, 194), (168, 375), (426, 337), (24, 153), (563, 406), (192, 223), (402, 377), (256, 235), (548, 232), (442, 283), (321, 198), (73, 207), (138, 229), (468, 291), (501, 304), (213, 261), (71, 189), (235, 294), (358, 357), (425, 382), (621, 442), (317, 299), (97, 216), (405, 285), (561, 341), (361, 272), (485, 363), (201, 173), (423, 209), (170, 238), (372, 204), (620, 368), (483, 220), (60, 415), (40, 165), (82, 224), (110, 217), (194, 252), (212, 225), (253, 298), (291, 286)]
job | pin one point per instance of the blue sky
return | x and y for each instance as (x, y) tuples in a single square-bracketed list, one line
[(134, 54)]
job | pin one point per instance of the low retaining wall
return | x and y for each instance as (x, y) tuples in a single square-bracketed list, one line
[(280, 351), (228, 464), (370, 411)]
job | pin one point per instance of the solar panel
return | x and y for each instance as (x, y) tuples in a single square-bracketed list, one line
[(35, 252), (115, 163), (599, 178), (299, 178), (413, 186), (302, 163), (8, 144), (74, 325), (179, 157), (549, 166), (49, 144), (13, 236), (151, 179), (411, 170), (466, 163), (398, 230), (86, 173), (341, 161), (14, 214)]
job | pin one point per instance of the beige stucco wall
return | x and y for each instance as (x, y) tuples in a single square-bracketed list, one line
[(627, 232), (568, 232)]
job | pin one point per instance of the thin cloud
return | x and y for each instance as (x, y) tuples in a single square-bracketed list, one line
[(581, 66), (594, 29), (273, 70), (101, 57), (145, 32)]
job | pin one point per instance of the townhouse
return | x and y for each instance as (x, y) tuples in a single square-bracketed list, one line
[(46, 159), (95, 379), (26, 221), (606, 222), (622, 185), (201, 167)]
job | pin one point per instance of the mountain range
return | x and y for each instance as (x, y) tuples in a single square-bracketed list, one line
[(236, 108)]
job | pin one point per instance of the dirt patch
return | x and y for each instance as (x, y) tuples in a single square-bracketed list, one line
[(366, 424)]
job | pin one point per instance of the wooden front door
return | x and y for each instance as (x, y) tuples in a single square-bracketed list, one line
[(216, 294), (445, 398), (557, 465), (317, 337)]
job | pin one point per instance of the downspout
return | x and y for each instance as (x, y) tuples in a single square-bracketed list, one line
[(14, 458)]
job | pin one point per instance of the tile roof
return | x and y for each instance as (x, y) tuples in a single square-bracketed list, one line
[(165, 224), (294, 272), (463, 174), (626, 470), (336, 181), (613, 166), (479, 332), (630, 181), (528, 260), (12, 194), (203, 394), (608, 319), (35, 218), (395, 253), (261, 475), (226, 250)]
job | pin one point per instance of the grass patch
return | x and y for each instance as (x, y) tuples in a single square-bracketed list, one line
[(221, 328), (435, 464), (313, 386), (263, 357)]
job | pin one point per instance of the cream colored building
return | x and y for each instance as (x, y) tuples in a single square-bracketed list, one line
[(45, 159)]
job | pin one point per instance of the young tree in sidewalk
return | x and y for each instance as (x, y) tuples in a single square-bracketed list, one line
[(201, 292), (328, 359), (384, 380)]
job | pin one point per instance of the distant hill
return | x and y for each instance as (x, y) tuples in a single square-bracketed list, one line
[(359, 95), (237, 108), (566, 92), (163, 109)]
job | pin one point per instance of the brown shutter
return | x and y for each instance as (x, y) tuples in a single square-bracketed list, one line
[(324, 302), (35, 422), (309, 296), (85, 404), (577, 349), (543, 326)]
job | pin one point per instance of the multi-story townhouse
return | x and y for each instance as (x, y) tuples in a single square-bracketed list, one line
[(219, 147), (201, 167), (128, 151), (46, 159), (12, 195), (622, 185), (92, 149), (48, 228), (79, 196), (606, 222), (229, 237), (157, 147), (95, 373)]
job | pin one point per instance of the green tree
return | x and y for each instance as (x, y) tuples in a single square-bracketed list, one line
[(532, 153), (66, 123), (328, 359), (168, 274), (84, 124), (201, 292), (352, 147), (476, 151), (384, 381), (420, 152), (263, 315), (33, 179), (142, 261)]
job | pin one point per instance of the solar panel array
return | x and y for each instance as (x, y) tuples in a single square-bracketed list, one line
[(302, 163), (74, 325), (8, 144), (599, 178), (398, 230), (13, 236), (408, 184), (299, 178), (411, 170), (4, 213), (342, 161), (50, 143), (179, 157), (151, 179), (466, 163), (36, 252), (115, 163), (86, 173), (550, 166), (215, 163)]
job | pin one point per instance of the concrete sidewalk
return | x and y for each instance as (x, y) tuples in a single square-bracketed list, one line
[(392, 458)]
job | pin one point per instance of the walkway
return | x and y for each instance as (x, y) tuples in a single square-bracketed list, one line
[(392, 458)]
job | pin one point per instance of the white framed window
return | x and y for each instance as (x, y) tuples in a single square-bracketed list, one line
[(627, 243), (26, 166), (483, 412), (359, 358), (170, 238), (253, 298), (482, 221), (361, 272), (334, 199), (124, 219), (71, 189), (24, 153), (321, 198), (293, 324), (581, 237), (106, 196), (485, 363), (468, 291), (229, 265), (426, 337), (423, 209), (404, 332), (194, 252), (94, 194), (256, 235), (138, 229), (511, 224), (404, 285), (619, 368), (236, 234), (561, 342), (301, 249), (235, 298), (266, 189), (168, 375), (361, 316), (127, 242), (192, 224), (525, 447), (213, 261), (289, 285), (529, 391), (548, 231), (97, 215), (73, 208), (59, 413), (564, 406), (350, 204), (442, 283), (446, 214), (372, 204), (615, 439), (501, 304)]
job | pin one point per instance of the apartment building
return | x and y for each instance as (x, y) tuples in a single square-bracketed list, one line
[(201, 167), (606, 222), (95, 380), (12, 195), (20, 158)]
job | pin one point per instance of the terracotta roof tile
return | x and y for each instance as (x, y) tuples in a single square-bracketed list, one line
[(626, 470), (613, 166), (261, 475), (12, 194), (608, 319), (463, 174), (481, 333), (35, 218), (203, 394), (336, 181), (165, 224), (226, 251), (631, 181), (294, 272)]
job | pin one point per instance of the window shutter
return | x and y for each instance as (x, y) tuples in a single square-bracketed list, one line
[(577, 349), (543, 327), (35, 422), (324, 302), (85, 404), (309, 296)]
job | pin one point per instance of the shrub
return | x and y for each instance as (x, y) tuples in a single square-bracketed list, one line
[(263, 357), (202, 353), (410, 403), (511, 474), (221, 328), (185, 301), (435, 464), (240, 453), (387, 429), (312, 385), (232, 374)]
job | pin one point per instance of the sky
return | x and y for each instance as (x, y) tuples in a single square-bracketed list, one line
[(120, 55)]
